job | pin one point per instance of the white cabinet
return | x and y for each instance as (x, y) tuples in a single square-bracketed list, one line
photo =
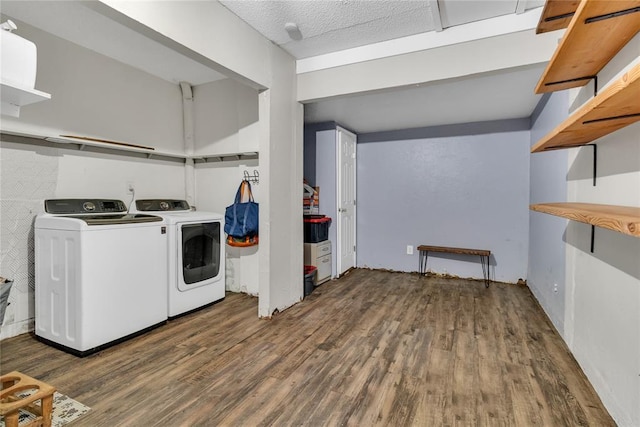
[(319, 255)]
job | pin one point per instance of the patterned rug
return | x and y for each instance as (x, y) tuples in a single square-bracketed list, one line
[(65, 410)]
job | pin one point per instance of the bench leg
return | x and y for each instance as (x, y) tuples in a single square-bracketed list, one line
[(423, 261), (485, 270)]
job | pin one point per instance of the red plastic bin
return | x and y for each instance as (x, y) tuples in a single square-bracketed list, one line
[(316, 229)]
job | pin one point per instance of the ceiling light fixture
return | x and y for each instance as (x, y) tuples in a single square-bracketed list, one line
[(292, 29)]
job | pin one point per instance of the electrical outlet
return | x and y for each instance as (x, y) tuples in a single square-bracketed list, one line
[(555, 288), (130, 189), (409, 250)]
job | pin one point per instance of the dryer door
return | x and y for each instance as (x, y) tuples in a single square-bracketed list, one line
[(200, 254)]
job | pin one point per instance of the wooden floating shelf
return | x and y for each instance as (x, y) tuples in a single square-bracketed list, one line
[(556, 15), (597, 32), (617, 106), (623, 219)]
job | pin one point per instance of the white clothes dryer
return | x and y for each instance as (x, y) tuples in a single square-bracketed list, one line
[(196, 253), (98, 274)]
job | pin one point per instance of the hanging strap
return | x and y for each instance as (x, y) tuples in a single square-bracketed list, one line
[(244, 193)]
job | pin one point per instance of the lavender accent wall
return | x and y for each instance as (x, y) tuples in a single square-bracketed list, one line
[(462, 186), (548, 176)]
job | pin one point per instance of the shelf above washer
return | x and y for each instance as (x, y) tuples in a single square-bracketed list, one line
[(223, 157), (14, 97), (80, 142)]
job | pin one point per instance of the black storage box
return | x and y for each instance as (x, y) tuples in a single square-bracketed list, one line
[(309, 279), (316, 229)]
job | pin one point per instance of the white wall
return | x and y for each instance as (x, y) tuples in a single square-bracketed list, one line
[(281, 159), (459, 60), (31, 173), (208, 31), (204, 30), (91, 95), (226, 121), (226, 118), (601, 318), (204, 35)]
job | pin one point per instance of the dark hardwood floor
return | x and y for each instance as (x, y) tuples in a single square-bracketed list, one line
[(371, 348)]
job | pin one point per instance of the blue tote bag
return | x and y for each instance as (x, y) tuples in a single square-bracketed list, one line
[(241, 218)]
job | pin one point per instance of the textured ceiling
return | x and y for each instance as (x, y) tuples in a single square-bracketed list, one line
[(332, 25), (327, 26)]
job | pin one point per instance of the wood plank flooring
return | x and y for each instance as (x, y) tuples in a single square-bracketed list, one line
[(373, 348)]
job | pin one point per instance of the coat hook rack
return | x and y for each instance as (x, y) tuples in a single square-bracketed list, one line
[(253, 178)]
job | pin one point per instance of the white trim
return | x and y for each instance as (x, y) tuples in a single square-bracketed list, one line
[(459, 34)]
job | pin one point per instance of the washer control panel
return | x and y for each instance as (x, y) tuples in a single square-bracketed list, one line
[(80, 206), (162, 205)]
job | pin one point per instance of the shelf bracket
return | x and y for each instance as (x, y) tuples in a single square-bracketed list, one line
[(595, 163), (593, 233)]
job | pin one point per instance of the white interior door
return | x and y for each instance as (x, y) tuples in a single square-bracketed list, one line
[(346, 182)]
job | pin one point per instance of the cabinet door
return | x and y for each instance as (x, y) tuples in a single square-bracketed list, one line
[(324, 268)]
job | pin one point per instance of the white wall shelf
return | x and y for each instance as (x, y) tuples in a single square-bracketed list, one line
[(14, 97), (211, 158), (80, 143)]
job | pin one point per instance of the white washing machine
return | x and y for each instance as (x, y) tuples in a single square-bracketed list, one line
[(196, 253), (99, 274)]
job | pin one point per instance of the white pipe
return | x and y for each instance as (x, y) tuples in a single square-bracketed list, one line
[(189, 141), (9, 25)]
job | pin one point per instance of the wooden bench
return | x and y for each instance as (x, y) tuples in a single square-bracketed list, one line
[(11, 404), (482, 253)]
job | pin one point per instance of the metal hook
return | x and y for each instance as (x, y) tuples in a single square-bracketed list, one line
[(252, 178)]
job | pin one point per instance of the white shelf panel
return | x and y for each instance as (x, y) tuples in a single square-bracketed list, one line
[(150, 152), (20, 97), (224, 156)]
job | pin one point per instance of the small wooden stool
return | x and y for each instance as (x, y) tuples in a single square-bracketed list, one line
[(10, 404)]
